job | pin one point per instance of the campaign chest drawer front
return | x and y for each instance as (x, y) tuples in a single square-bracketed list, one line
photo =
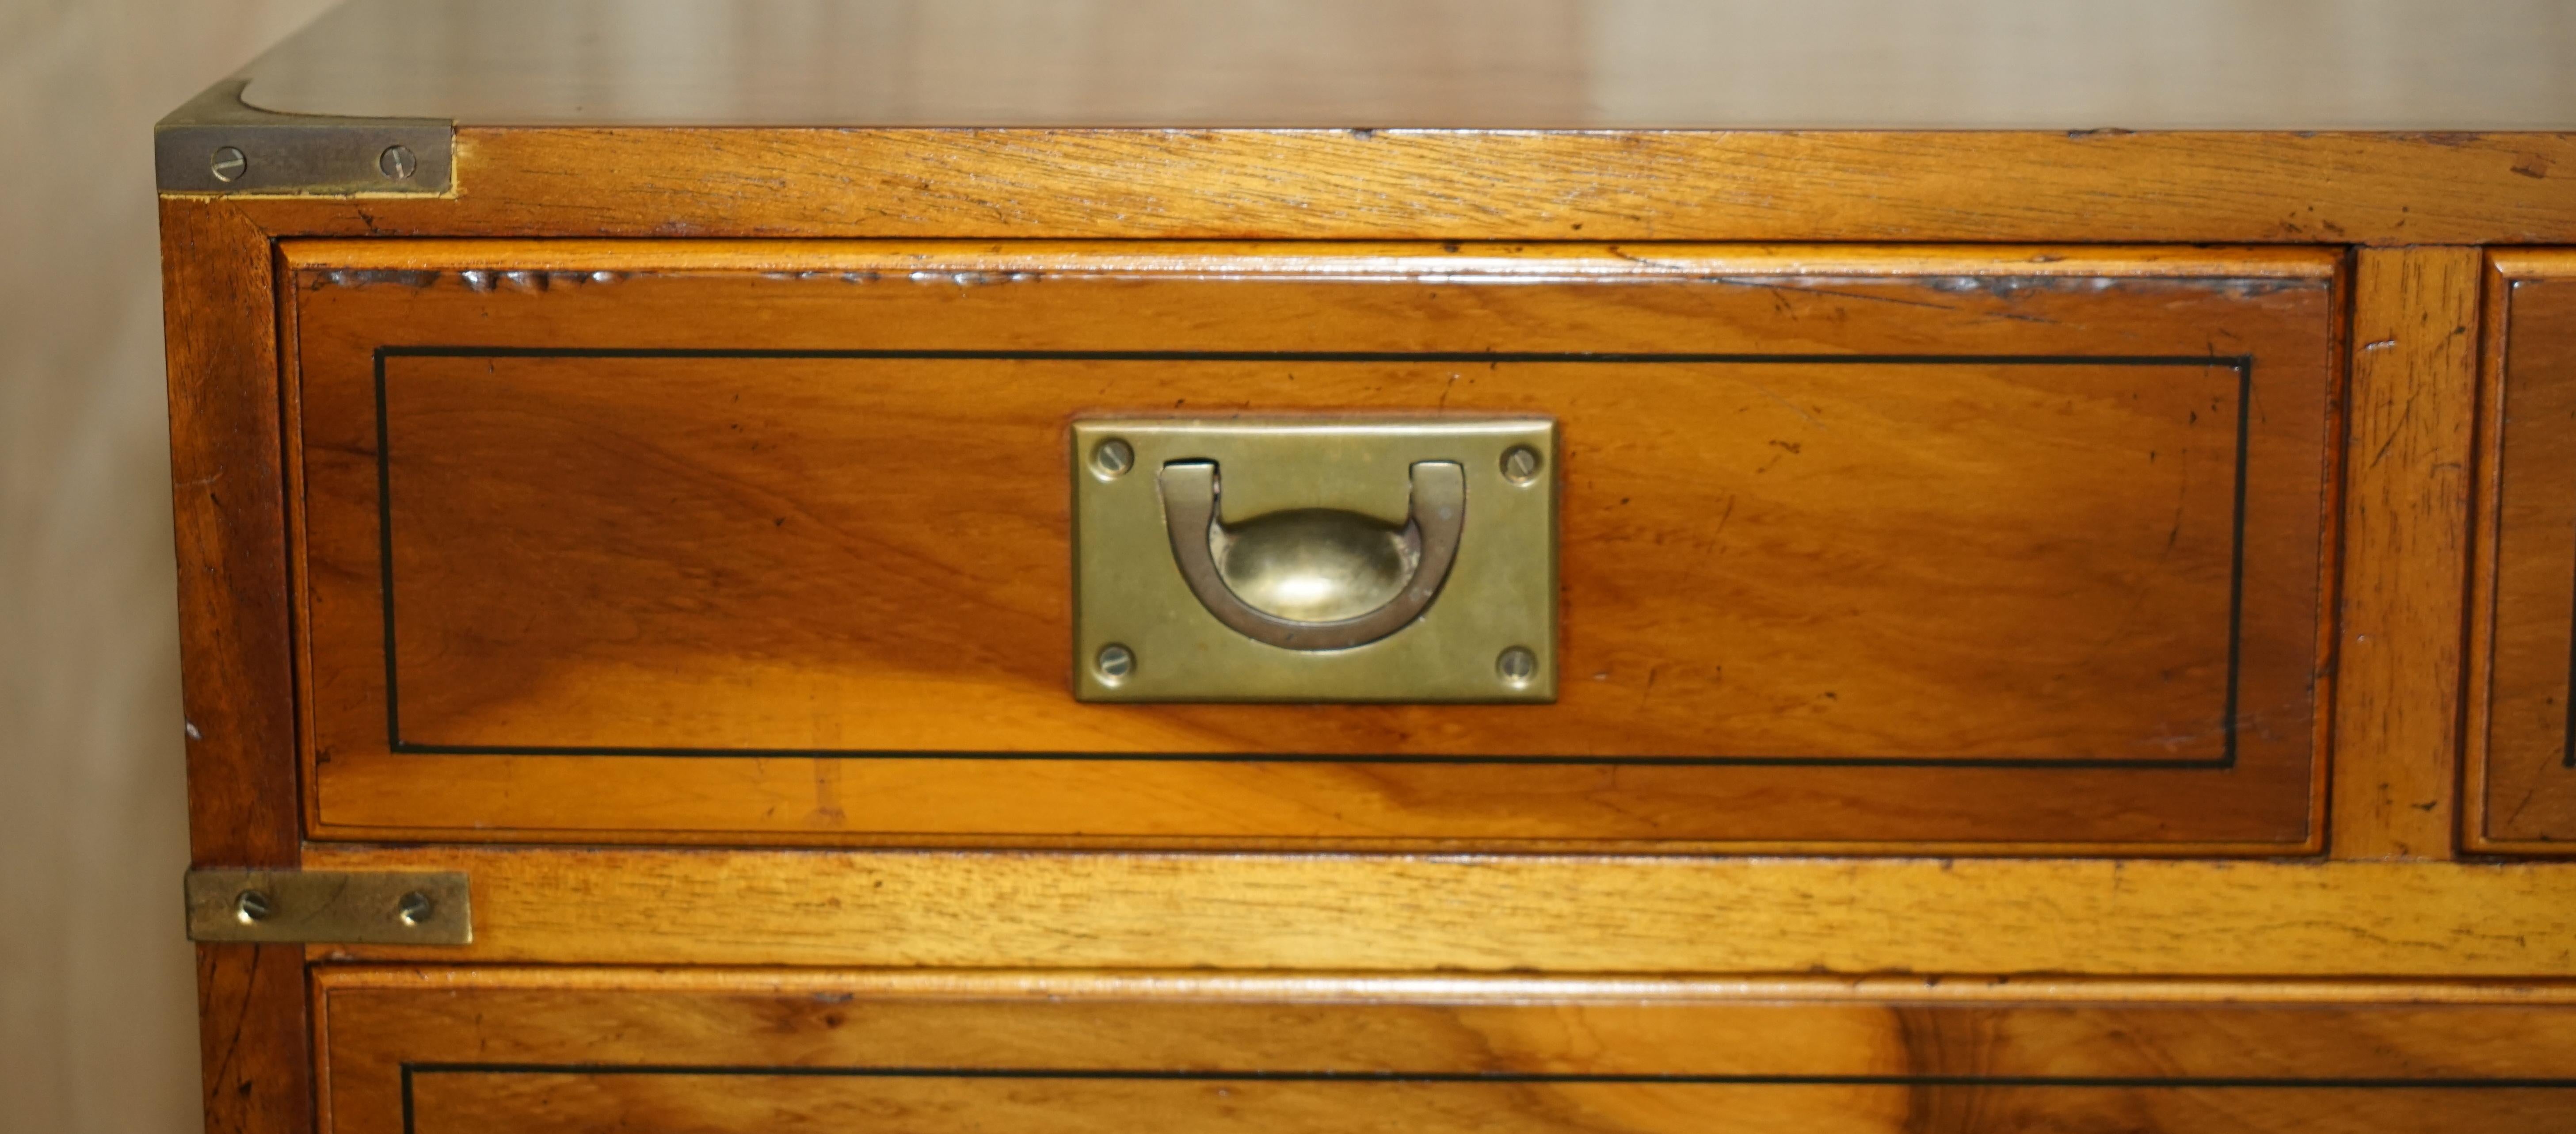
[(1902, 547), (2522, 735), (425, 1052)]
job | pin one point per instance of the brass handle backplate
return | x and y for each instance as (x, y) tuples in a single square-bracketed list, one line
[(1314, 559)]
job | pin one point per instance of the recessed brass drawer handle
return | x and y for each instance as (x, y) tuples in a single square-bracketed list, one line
[(1314, 578)]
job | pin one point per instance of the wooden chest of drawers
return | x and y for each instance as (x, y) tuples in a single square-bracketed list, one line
[(2037, 630)]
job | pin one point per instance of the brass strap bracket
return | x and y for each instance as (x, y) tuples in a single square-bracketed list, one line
[(218, 143), (329, 907)]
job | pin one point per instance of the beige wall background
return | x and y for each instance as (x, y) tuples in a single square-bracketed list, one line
[(97, 1001)]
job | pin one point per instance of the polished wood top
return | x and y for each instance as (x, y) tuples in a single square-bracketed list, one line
[(2398, 65)]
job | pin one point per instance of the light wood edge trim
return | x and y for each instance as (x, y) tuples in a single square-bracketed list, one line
[(290, 379), (720, 839), (2261, 187), (2504, 268), (2478, 682), (2333, 530), (1037, 984), (1630, 259), (318, 987), (2532, 263), (2395, 775), (1498, 914)]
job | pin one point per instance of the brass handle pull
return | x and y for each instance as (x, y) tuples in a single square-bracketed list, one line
[(1314, 578)]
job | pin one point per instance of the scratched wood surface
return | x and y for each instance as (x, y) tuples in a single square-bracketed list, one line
[(699, 595), (235, 654), (2455, 188), (2406, 536), (1510, 913), (607, 1049), (2523, 784)]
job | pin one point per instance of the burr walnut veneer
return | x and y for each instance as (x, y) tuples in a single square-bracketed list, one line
[(2061, 624)]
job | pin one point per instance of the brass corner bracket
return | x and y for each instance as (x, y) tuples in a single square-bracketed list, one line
[(217, 143)]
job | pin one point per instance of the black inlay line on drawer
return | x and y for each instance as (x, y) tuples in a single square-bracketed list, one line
[(2242, 365), (411, 1071)]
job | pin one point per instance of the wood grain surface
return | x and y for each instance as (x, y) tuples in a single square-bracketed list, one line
[(236, 658), (1978, 186), (2522, 779), (480, 1049), (1580, 914), (2406, 532), (2014, 546)]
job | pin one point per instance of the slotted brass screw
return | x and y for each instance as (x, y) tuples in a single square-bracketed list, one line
[(1115, 663), (1517, 665), (397, 162), (251, 906), (1521, 465), (1112, 458), (228, 164), (414, 908)]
